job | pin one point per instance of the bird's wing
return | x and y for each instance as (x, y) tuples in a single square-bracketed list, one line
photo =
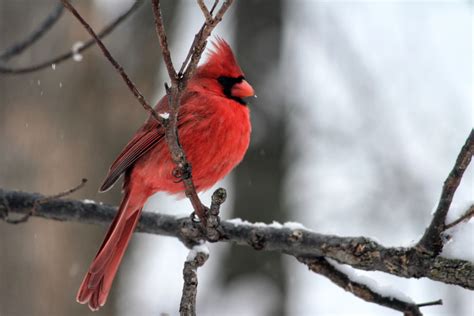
[(142, 142), (146, 138)]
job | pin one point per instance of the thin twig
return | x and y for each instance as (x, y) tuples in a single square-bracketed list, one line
[(116, 65), (160, 30), (432, 241), (463, 218), (69, 54), (38, 32), (433, 303), (205, 11), (36, 203), (63, 194), (196, 258), (321, 266), (196, 38), (201, 43)]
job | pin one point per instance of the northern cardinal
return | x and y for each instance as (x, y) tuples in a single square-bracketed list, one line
[(214, 131)]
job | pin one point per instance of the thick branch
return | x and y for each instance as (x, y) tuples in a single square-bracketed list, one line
[(432, 241), (69, 54), (358, 252)]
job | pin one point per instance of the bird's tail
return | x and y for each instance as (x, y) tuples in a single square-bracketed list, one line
[(97, 283)]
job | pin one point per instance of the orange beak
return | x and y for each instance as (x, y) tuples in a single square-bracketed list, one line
[(242, 90)]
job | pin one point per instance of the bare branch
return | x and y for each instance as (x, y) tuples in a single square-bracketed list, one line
[(69, 54), (160, 30), (433, 303), (432, 241), (196, 38), (321, 266), (205, 11), (358, 252), (463, 218), (201, 43), (196, 258), (116, 65), (38, 32)]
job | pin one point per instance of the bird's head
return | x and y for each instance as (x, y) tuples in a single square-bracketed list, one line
[(221, 74)]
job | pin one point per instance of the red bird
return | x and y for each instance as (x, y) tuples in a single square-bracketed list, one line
[(214, 131)]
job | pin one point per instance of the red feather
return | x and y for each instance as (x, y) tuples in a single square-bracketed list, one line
[(214, 131)]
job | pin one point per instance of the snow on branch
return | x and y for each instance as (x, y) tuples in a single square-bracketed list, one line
[(358, 252)]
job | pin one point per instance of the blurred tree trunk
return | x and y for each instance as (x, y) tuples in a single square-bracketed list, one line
[(259, 178)]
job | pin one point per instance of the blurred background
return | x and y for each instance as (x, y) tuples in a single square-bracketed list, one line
[(362, 109)]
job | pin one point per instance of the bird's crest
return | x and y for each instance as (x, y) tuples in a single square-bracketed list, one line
[(220, 61)]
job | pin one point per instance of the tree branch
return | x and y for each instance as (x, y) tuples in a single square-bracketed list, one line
[(463, 218), (178, 85), (160, 31), (200, 44), (69, 54), (432, 242), (321, 266), (198, 255), (196, 38), (205, 11), (37, 33), (358, 252), (114, 63)]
